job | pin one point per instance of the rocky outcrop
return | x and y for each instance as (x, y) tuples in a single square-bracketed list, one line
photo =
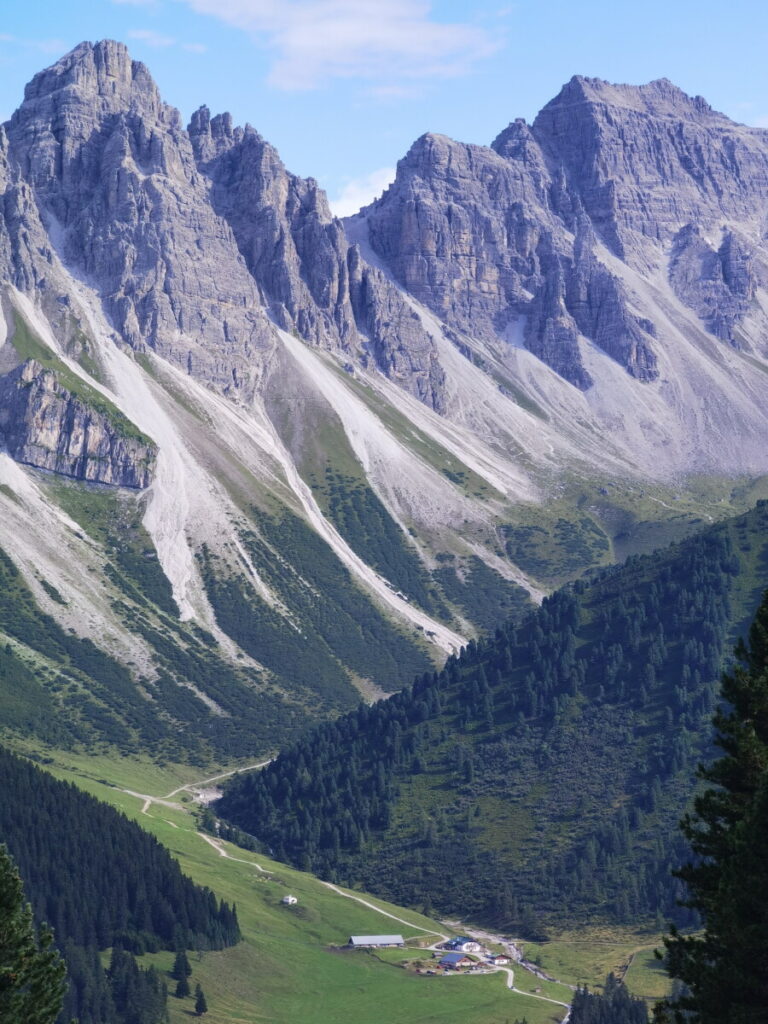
[(600, 306), (398, 342), (114, 178), (720, 283), (646, 160), (489, 236), (42, 424), (455, 233), (284, 230), (473, 233), (312, 281)]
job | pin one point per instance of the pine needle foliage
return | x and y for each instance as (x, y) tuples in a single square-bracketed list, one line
[(31, 969), (725, 970)]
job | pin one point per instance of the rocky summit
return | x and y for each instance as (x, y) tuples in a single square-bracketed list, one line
[(549, 233), (523, 361)]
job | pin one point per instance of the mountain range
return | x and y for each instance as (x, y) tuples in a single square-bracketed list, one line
[(258, 461)]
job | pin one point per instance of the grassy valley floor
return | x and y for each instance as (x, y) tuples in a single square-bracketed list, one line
[(286, 969)]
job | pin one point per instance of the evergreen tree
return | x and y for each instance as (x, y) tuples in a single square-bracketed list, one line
[(614, 1005), (726, 969), (182, 988), (31, 971), (181, 966), (201, 1006)]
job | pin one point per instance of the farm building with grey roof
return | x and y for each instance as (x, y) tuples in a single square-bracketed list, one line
[(375, 941)]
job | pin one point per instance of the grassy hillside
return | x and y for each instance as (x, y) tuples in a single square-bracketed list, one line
[(286, 967), (537, 781), (68, 691), (302, 642), (190, 699)]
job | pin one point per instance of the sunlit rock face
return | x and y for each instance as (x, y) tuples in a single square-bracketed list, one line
[(600, 262), (486, 236), (44, 425)]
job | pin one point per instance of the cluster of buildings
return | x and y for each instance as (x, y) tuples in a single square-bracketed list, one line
[(456, 958), (462, 944)]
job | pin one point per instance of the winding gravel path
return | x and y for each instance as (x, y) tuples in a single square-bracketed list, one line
[(198, 788)]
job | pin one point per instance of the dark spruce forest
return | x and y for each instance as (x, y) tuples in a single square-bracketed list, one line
[(538, 779), (103, 883)]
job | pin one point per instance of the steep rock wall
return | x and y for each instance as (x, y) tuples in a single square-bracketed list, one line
[(42, 424)]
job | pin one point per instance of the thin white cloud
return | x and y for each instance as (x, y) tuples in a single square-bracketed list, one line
[(313, 41), (358, 192), (194, 47), (760, 122), (151, 38)]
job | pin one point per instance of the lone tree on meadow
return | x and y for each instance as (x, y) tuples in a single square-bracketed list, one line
[(201, 1006), (182, 988), (181, 966), (725, 970), (32, 973)]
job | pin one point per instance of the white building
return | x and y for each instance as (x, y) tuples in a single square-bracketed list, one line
[(463, 944), (289, 900)]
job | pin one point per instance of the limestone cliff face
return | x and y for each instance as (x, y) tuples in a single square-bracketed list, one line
[(489, 236), (114, 179), (719, 282), (646, 160), (44, 425), (312, 281), (473, 233), (196, 241), (622, 220)]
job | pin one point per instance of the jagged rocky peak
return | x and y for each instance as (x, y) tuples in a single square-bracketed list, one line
[(194, 239), (313, 281), (212, 136), (197, 241), (432, 153), (112, 171), (518, 143), (453, 230), (241, 152), (478, 234), (659, 98), (94, 102), (645, 160), (106, 72), (67, 102), (487, 236)]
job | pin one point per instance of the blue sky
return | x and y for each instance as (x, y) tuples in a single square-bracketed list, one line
[(343, 87)]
